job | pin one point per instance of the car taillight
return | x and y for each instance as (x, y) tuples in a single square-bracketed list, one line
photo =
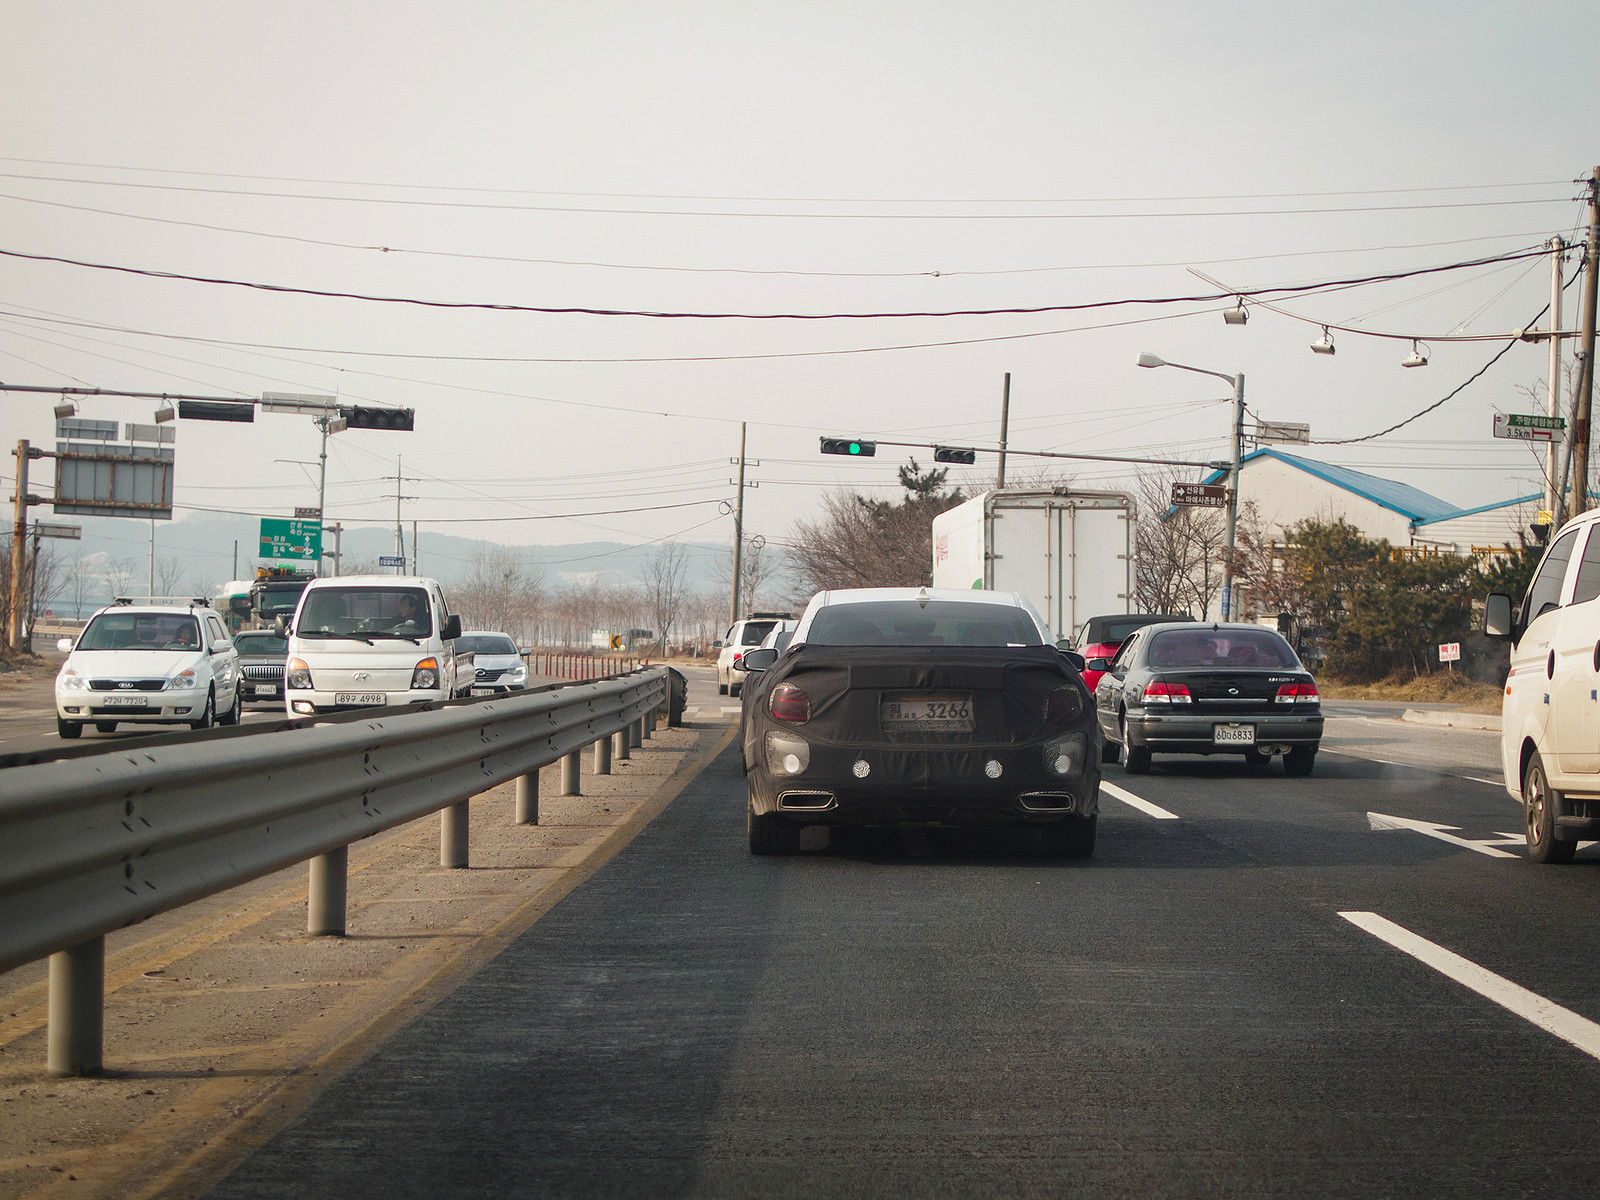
[(789, 703), (738, 657), (1062, 705), (1167, 693), (1297, 693)]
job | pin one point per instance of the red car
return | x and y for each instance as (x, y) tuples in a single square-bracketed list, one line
[(1100, 636)]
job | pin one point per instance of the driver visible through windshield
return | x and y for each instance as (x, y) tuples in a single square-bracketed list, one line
[(365, 612)]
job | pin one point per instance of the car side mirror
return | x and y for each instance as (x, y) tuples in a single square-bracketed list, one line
[(1099, 664), (280, 627), (717, 645), (759, 659), (64, 644), (451, 629), (1497, 622), (1073, 657), (1063, 643)]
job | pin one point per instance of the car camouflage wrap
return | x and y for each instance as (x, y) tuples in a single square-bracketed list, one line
[(905, 735)]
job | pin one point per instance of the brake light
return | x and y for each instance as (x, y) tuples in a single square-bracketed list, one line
[(1297, 693), (738, 657), (788, 702), (1062, 705), (1167, 693)]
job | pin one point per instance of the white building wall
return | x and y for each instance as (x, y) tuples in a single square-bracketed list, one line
[(1285, 495), (1492, 527)]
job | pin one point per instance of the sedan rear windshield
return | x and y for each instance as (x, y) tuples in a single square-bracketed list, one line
[(908, 623), (488, 643), (260, 643), (365, 611), (141, 631), (1221, 648), (1117, 630)]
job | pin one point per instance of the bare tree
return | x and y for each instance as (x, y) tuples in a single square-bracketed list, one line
[(666, 589), (169, 572), (119, 574), (501, 592), (76, 580), (1180, 550)]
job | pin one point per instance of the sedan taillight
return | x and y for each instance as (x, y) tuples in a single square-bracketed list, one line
[(1062, 706), (1167, 693), (788, 702), (1298, 693)]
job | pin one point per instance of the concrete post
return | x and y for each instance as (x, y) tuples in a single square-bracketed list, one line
[(602, 756), (528, 798), (325, 903), (76, 1039), (453, 835), (621, 745), (636, 732), (570, 765), (647, 723)]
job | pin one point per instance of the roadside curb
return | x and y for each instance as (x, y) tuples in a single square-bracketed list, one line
[(1452, 720)]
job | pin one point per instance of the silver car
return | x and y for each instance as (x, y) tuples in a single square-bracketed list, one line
[(499, 663)]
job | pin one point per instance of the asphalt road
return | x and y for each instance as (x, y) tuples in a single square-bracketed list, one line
[(1191, 1013)]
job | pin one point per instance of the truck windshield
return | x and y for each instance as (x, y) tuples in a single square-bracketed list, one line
[(365, 612)]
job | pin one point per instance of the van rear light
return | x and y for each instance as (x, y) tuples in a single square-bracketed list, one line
[(1298, 693), (789, 702), (1167, 693)]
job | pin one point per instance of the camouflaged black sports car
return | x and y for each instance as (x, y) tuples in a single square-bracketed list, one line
[(920, 707)]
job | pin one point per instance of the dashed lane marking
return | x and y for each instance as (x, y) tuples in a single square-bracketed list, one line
[(1530, 1006), (1143, 805)]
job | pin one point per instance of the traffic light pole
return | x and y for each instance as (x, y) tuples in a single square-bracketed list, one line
[(1583, 399), (738, 536)]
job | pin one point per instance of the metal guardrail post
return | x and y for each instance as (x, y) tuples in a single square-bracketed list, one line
[(76, 1039), (453, 835), (636, 732), (621, 750), (647, 724), (325, 899), (528, 798), (570, 765), (602, 756)]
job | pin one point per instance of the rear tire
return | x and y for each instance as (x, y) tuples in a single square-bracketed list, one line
[(69, 729), (233, 715), (1256, 758), (1299, 760), (106, 726), (771, 834), (1109, 751), (1070, 838), (722, 688), (1539, 807), (735, 688)]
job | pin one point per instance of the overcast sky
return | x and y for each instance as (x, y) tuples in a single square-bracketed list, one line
[(761, 159)]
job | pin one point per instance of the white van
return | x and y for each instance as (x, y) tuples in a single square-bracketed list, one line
[(1550, 715), (372, 641)]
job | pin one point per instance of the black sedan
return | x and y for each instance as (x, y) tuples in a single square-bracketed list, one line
[(920, 707), (262, 654), (1209, 689)]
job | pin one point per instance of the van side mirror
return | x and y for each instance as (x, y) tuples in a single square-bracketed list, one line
[(280, 627), (1497, 622), (64, 644), (451, 628)]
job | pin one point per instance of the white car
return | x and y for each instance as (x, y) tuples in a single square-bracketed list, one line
[(497, 663), (1550, 715), (742, 635), (148, 664)]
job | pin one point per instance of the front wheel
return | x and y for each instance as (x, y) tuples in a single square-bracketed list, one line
[(204, 720), (1299, 760), (1539, 807), (69, 729)]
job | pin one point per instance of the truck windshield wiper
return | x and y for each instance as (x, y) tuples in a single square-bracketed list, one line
[(328, 633), (401, 637)]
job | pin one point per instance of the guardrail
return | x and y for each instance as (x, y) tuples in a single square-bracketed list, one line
[(580, 664), (95, 842)]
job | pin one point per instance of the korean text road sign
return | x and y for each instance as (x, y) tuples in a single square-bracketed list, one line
[(1527, 427), (282, 538), (1200, 495)]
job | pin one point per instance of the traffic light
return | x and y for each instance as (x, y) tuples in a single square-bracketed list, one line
[(954, 454), (216, 410), (852, 446), (378, 418)]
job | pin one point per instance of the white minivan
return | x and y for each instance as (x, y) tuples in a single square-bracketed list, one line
[(1550, 715), (372, 641)]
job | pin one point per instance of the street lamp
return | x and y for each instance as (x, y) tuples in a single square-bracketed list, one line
[(1150, 360)]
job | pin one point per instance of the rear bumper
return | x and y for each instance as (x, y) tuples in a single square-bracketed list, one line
[(1194, 733)]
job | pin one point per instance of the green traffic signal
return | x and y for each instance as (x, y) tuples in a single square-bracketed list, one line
[(850, 446)]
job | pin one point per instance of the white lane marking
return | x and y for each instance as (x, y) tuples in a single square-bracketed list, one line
[(1142, 805), (1530, 1006), (1390, 762), (1381, 821)]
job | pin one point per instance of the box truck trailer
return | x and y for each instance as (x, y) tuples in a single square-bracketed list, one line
[(1069, 552)]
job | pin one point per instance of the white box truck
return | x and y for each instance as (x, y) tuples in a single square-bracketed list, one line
[(1071, 553)]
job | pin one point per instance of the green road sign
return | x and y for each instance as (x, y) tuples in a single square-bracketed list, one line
[(290, 539), (1529, 421)]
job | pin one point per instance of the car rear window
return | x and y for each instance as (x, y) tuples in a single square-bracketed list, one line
[(1221, 648), (260, 643), (141, 631), (938, 623), (754, 631), (497, 643)]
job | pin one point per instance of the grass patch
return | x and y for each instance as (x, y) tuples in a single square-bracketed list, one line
[(1438, 687)]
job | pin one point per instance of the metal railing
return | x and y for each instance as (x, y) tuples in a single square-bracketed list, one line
[(580, 664), (94, 842)]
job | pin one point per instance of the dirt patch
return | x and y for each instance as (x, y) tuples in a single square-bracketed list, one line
[(19, 670), (1440, 687)]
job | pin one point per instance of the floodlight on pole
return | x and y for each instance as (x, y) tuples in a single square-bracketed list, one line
[(66, 409), (1238, 314), (1324, 344), (1417, 358), (164, 414)]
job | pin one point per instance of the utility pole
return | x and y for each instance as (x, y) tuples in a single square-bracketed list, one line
[(1585, 394), (738, 536), (19, 542), (1553, 408), (1005, 421), (1228, 602)]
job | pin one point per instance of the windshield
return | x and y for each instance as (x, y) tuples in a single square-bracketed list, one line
[(365, 612), (908, 623), (260, 643), (275, 599), (1222, 648), (486, 643), (141, 631)]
